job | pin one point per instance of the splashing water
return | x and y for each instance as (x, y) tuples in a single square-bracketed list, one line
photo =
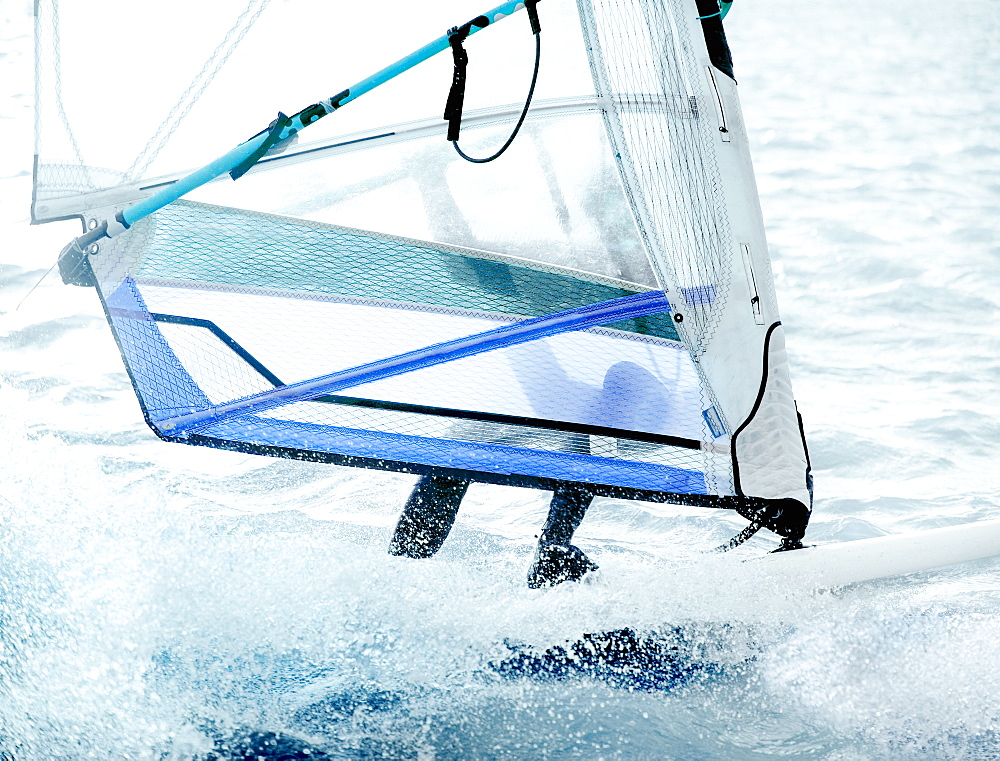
[(160, 602)]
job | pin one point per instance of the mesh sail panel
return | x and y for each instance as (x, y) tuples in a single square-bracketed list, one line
[(278, 253), (681, 149), (212, 305), (644, 52)]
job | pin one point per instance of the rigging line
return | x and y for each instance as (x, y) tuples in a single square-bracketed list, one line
[(202, 80), (47, 272), (60, 106)]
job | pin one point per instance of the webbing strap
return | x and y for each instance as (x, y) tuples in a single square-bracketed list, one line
[(456, 95)]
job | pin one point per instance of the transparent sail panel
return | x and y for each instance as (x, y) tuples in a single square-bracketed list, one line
[(555, 197), (212, 306), (171, 94)]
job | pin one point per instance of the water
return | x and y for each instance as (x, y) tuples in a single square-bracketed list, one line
[(156, 598)]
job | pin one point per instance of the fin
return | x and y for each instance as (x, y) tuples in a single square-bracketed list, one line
[(554, 564)]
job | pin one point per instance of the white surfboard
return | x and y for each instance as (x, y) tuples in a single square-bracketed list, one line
[(842, 563)]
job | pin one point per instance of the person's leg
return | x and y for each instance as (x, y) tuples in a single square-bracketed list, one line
[(428, 516), (556, 559), (566, 510)]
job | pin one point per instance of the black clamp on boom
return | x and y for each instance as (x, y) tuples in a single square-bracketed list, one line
[(273, 138)]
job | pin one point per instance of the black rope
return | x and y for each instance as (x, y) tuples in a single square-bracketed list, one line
[(755, 525), (456, 96), (759, 520)]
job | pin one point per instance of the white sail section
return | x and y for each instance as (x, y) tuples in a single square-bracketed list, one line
[(369, 238), (689, 179)]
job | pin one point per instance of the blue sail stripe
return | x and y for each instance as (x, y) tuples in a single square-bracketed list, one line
[(481, 457), (509, 335)]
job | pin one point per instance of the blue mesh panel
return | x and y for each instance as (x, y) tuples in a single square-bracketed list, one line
[(164, 387), (244, 300), (487, 458)]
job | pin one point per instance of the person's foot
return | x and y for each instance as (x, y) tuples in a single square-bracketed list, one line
[(555, 563)]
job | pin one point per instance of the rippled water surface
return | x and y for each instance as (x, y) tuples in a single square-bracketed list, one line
[(157, 599)]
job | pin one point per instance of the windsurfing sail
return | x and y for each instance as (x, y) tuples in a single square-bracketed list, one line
[(594, 306)]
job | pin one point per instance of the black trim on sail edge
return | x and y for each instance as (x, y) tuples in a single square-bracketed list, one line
[(715, 37), (787, 517), (531, 422), (421, 409), (756, 406)]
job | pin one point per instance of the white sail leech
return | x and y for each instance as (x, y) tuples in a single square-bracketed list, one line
[(726, 346)]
